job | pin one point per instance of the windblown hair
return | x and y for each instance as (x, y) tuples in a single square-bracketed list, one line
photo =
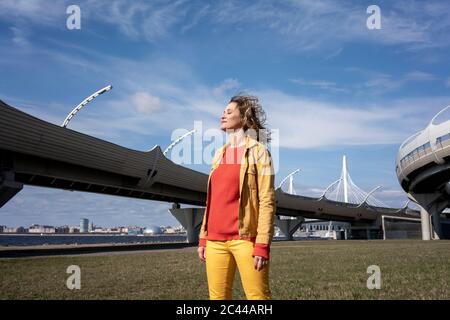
[(253, 116)]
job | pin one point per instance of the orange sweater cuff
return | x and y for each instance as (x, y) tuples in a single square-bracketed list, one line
[(202, 242), (261, 249)]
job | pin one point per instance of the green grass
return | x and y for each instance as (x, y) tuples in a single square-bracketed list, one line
[(299, 270)]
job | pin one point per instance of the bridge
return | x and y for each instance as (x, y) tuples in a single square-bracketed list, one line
[(423, 170), (38, 153)]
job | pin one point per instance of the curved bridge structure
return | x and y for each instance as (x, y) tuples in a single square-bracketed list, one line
[(39, 153), (423, 170)]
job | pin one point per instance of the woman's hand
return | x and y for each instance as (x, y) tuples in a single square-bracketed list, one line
[(259, 262), (201, 253)]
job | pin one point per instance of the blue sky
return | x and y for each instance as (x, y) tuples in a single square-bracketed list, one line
[(329, 85)]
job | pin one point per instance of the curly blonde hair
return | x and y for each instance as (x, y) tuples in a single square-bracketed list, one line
[(252, 115)]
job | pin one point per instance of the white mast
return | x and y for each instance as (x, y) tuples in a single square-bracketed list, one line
[(344, 176)]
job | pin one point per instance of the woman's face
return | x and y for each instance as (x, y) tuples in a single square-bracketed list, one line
[(231, 118)]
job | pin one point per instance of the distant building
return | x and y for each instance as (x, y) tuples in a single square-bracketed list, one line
[(180, 229), (91, 226), (170, 230), (134, 230), (84, 225), (153, 230), (15, 230), (36, 228), (2, 228), (62, 229), (74, 230), (277, 232), (313, 228)]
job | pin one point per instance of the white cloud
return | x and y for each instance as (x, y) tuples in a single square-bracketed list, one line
[(19, 37), (143, 86), (334, 54), (145, 103), (326, 24), (148, 84), (321, 84), (226, 86), (420, 76), (373, 83), (133, 111), (301, 25), (378, 83), (149, 20), (198, 15), (308, 123), (381, 83), (40, 12)]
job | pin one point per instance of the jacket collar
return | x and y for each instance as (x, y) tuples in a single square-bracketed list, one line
[(250, 142)]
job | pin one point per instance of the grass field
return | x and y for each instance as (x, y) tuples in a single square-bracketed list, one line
[(298, 270)]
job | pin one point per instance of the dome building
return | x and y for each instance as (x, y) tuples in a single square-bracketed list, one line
[(153, 230)]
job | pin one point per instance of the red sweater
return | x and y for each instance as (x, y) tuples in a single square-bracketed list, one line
[(223, 219)]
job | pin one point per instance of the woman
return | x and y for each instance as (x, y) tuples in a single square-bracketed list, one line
[(237, 227)]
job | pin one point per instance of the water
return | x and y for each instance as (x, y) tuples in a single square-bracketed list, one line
[(61, 239), (38, 240)]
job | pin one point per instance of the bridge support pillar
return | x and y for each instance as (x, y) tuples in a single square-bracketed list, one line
[(431, 207), (288, 226), (436, 221), (426, 227), (8, 188), (190, 219)]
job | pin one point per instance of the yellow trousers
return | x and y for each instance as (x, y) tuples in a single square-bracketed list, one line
[(222, 257)]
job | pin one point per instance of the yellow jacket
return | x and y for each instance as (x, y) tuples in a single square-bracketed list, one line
[(257, 204)]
